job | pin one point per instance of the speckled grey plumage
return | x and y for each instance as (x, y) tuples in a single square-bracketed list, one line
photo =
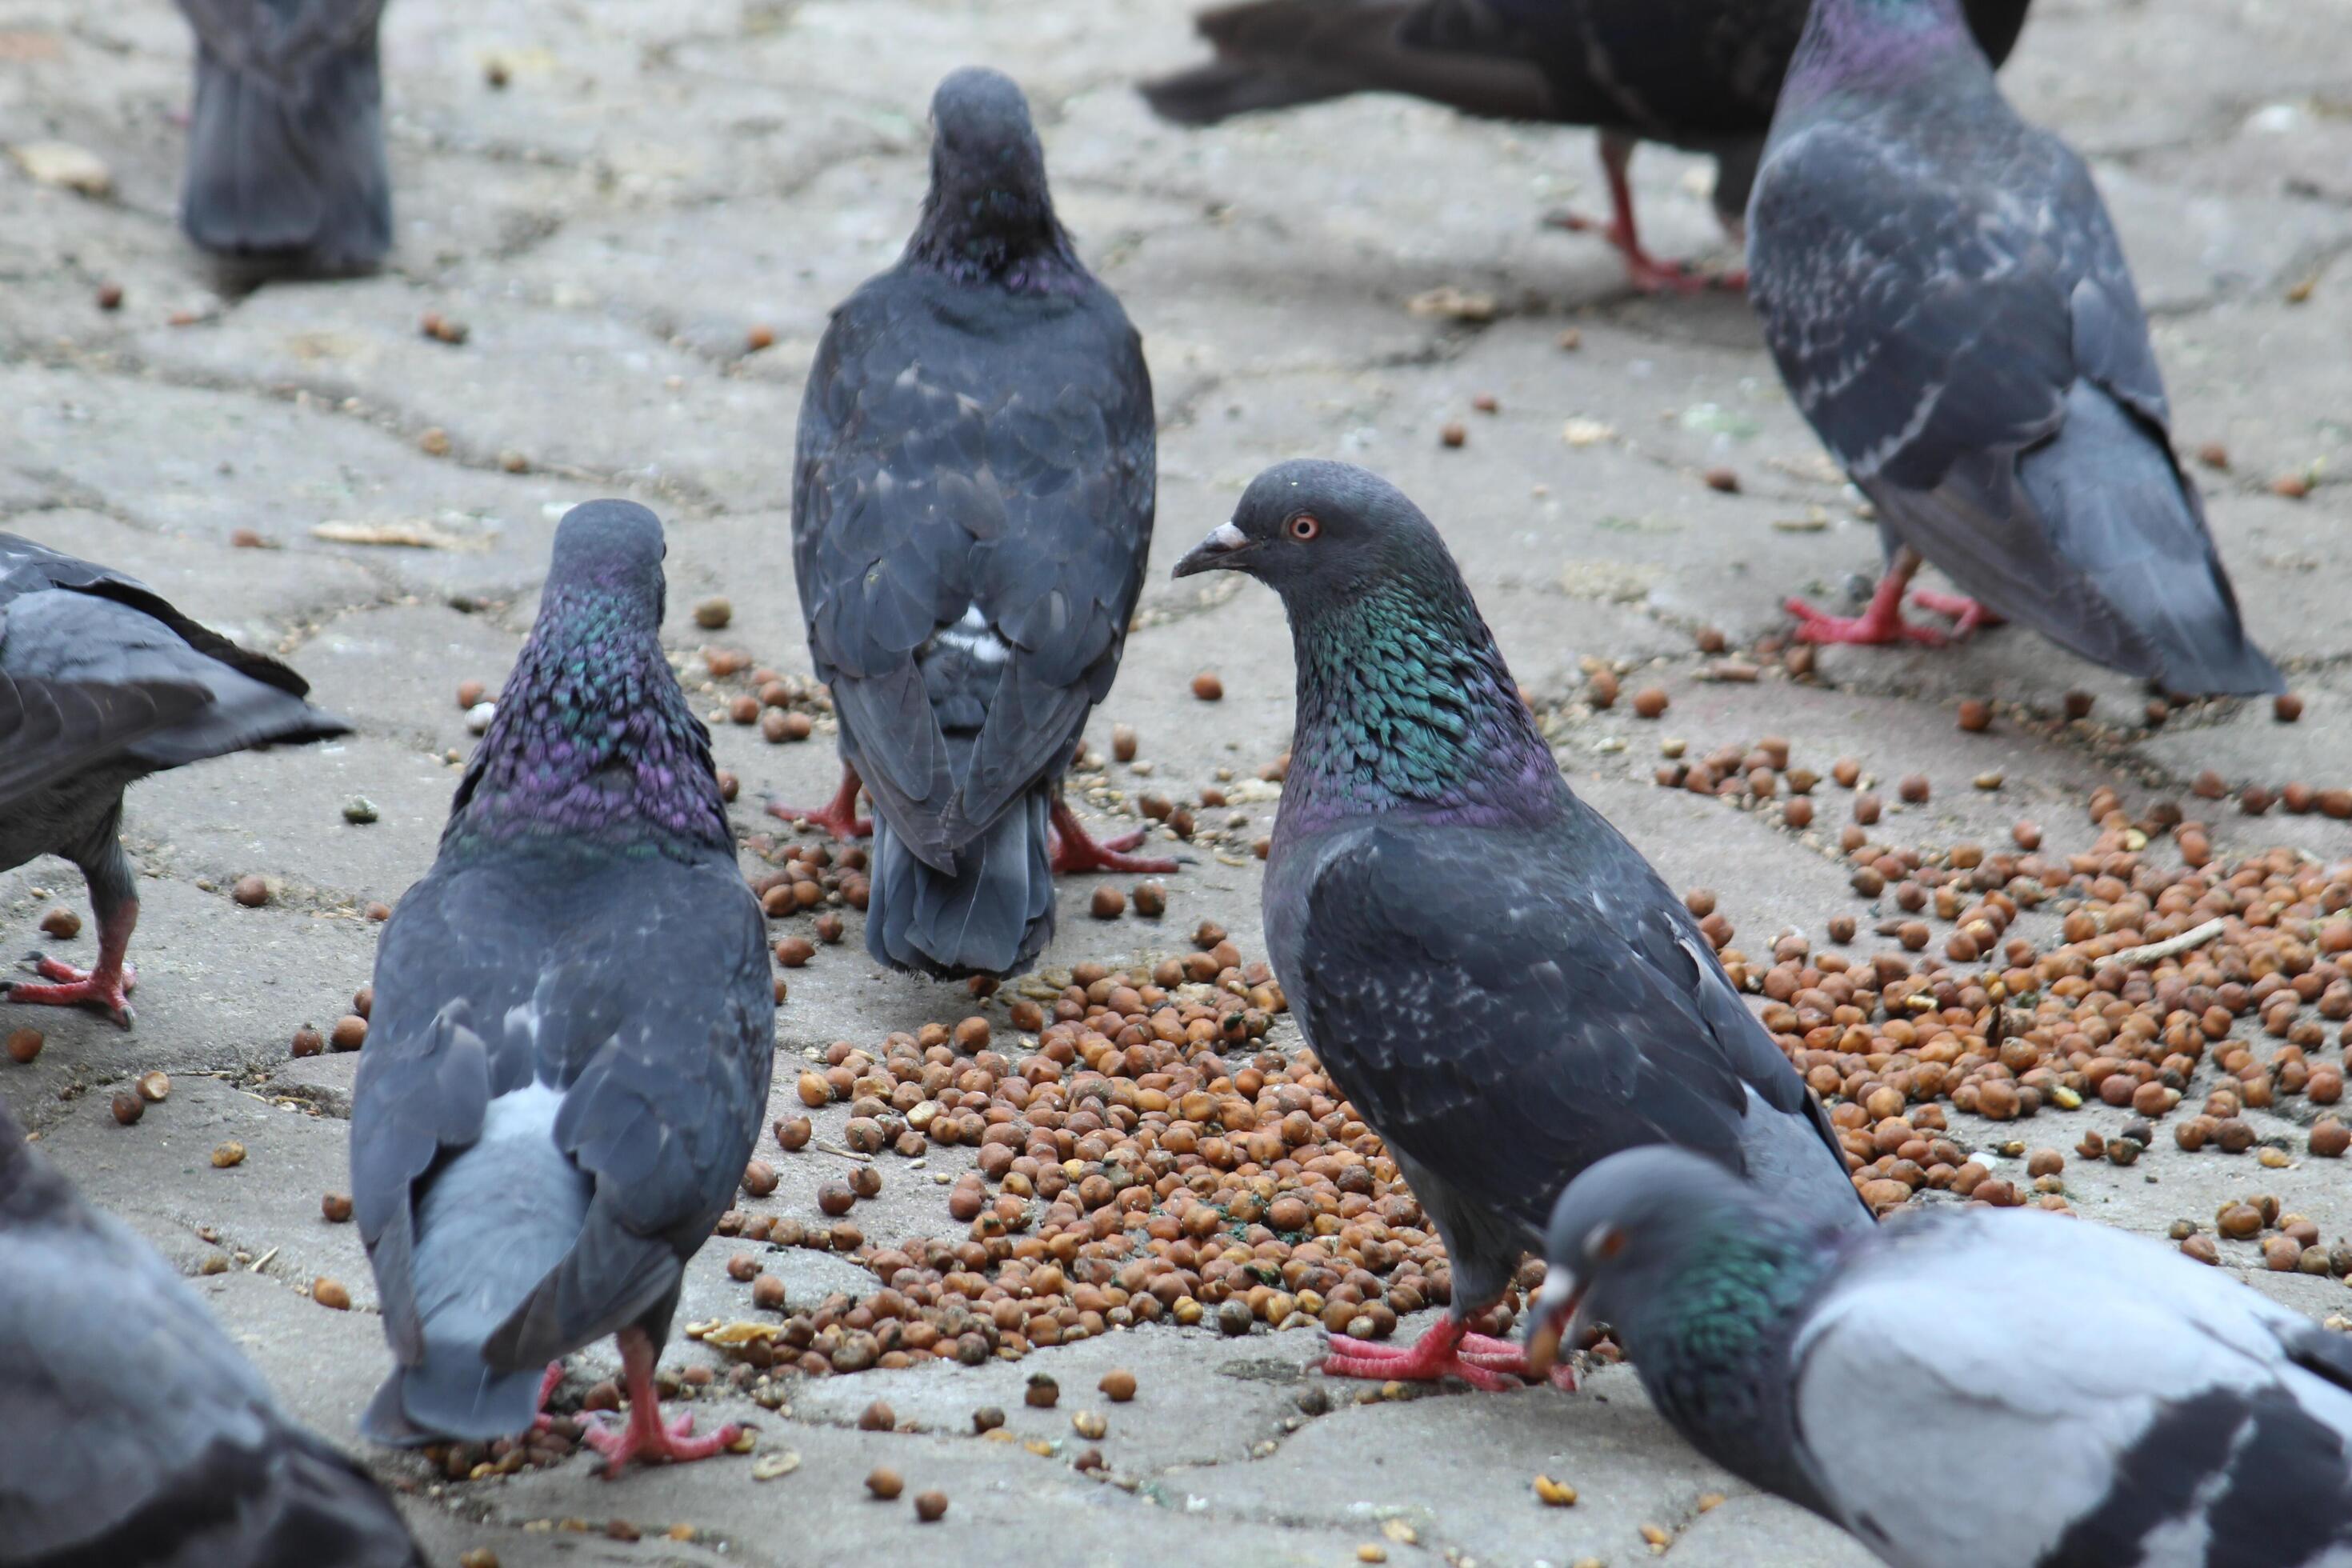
[(972, 508), (286, 156), (573, 1032), (1499, 982), (1700, 74), (187, 1461), (1947, 299), (2112, 1404)]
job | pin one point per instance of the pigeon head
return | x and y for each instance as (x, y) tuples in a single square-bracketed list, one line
[(592, 742), (1405, 702), (1878, 46), (1630, 1232), (989, 214)]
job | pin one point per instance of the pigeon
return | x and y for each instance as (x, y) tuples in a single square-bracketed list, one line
[(285, 162), (573, 1032), (2120, 1404), (130, 1429), (102, 682), (1500, 983), (971, 508), (1697, 74), (1948, 302)]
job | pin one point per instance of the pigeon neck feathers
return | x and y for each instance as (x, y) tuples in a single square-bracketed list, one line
[(1003, 235), (592, 742), (1405, 706), (1880, 46)]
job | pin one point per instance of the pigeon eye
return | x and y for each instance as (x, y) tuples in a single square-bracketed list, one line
[(1605, 1242), (1304, 527)]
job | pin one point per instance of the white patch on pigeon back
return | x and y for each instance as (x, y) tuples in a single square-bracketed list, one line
[(525, 1112), (973, 636)]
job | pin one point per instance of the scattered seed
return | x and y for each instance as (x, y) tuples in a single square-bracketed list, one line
[(1722, 480), (1109, 903), (1042, 1392), (1089, 1424), (350, 1033), (1453, 433), (931, 1507), (227, 1154), (129, 1108), (2287, 706), (1555, 1494), (1207, 687), (1976, 715), (330, 1293), (1650, 702), (759, 1178), (251, 892)]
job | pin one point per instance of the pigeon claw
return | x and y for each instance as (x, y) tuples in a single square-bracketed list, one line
[(1967, 613), (1879, 624), (649, 1438), (1446, 1351), (838, 815), (77, 988), (1076, 850)]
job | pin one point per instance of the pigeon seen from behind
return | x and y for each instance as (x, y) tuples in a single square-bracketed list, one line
[(130, 1429), (2111, 1402), (1948, 302), (1697, 74), (972, 508), (285, 160), (1498, 982), (102, 682), (572, 1031)]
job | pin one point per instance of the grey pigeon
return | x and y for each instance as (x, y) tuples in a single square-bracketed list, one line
[(2111, 1403), (1697, 74), (1948, 302), (572, 1031), (131, 1432), (102, 682), (285, 162), (1498, 981), (971, 507)]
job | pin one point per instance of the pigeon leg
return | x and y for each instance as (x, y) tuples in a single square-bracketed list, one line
[(1447, 1350), (107, 986), (1967, 612), (1881, 623), (838, 815), (1075, 850), (645, 1434), (1645, 271), (547, 1386)]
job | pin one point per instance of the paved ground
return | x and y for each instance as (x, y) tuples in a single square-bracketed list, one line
[(657, 179)]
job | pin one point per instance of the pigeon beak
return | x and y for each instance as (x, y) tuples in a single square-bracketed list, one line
[(1216, 553), (1556, 1307)]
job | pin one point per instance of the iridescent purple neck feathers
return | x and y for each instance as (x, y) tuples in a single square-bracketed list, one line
[(1874, 46), (593, 744)]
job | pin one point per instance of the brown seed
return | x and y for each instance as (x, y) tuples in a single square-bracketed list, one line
[(154, 1087), (1798, 813), (109, 296), (1123, 742), (987, 1418), (1109, 903), (1914, 788), (1042, 1393), (2027, 834), (1486, 403), (1842, 928), (24, 1044), (1976, 715), (470, 693), (2286, 708), (2239, 1222), (931, 1507), (1865, 808), (330, 1293), (251, 892), (2281, 1255), (768, 1293), (2201, 1248), (434, 442), (363, 1000), (865, 1181), (2293, 486), (759, 1178), (308, 1041), (2213, 454), (335, 1207), (885, 1482), (877, 1417), (835, 1198), (1207, 687), (2330, 1138), (1150, 899), (1847, 770), (1118, 1384), (1600, 691), (227, 1154), (1722, 480), (792, 1133), (128, 1107), (714, 613), (793, 952), (744, 709), (61, 923), (759, 338), (350, 1033), (1650, 702), (828, 928)]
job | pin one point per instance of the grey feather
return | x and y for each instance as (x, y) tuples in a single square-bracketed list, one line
[(191, 1465)]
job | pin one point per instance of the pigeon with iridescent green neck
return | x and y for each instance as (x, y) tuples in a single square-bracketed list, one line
[(2111, 1403), (1499, 982), (573, 1032)]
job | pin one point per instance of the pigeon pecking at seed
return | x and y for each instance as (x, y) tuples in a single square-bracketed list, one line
[(1949, 304), (285, 160), (2124, 1405), (135, 1432), (103, 682), (1698, 74), (971, 510), (572, 1030), (1498, 981)]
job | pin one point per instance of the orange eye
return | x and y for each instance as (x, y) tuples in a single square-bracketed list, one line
[(1304, 527), (1605, 1242)]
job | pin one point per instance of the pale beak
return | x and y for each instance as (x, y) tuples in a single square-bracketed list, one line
[(1216, 553), (1556, 1306)]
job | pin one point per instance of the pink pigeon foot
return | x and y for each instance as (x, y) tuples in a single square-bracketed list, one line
[(644, 1435), (838, 815), (1076, 850), (1967, 613), (1447, 1350)]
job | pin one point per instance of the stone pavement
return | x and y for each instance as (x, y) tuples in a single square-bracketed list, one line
[(657, 179)]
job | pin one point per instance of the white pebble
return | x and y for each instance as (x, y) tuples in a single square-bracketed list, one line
[(479, 717)]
